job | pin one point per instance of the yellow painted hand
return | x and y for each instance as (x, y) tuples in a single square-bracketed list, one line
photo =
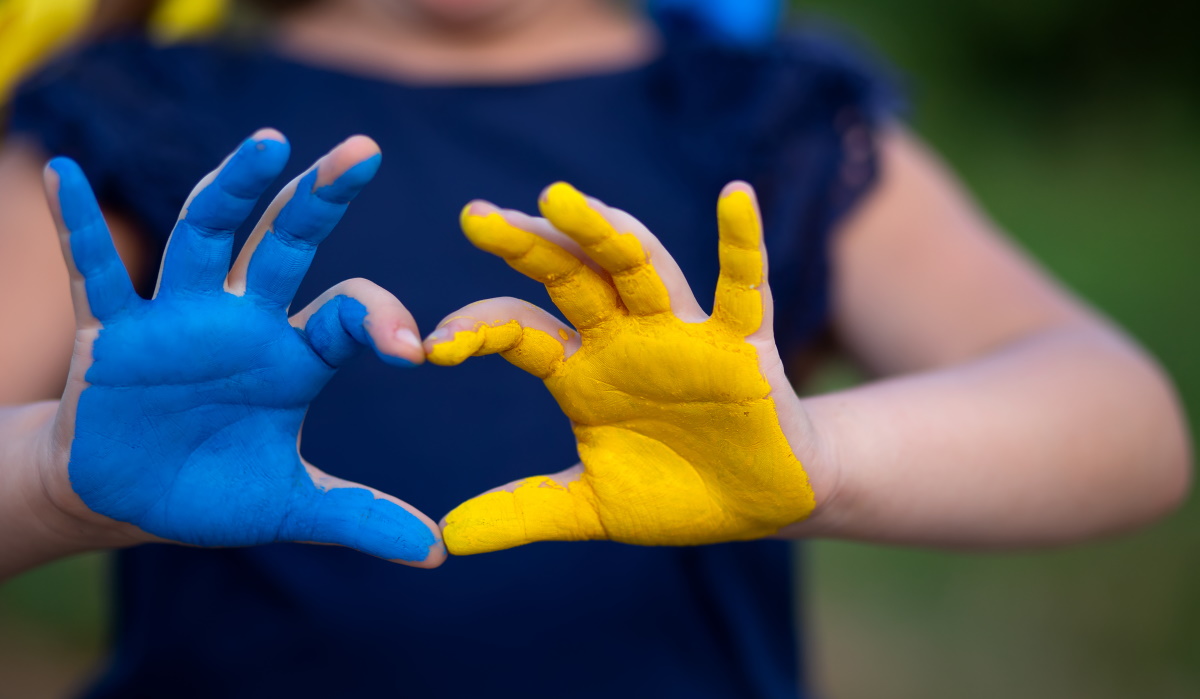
[(674, 413)]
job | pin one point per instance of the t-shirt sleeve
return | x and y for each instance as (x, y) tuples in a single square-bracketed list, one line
[(797, 118), (812, 154)]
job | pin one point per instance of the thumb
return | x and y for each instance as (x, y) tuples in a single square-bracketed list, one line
[(359, 313), (560, 507), (349, 514), (743, 300)]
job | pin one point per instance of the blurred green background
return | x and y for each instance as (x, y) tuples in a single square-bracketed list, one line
[(1077, 125)]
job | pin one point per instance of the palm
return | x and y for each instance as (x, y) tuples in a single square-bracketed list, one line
[(671, 462), (189, 426), (677, 432), (187, 407)]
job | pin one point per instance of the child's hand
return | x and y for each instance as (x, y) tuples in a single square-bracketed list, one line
[(675, 413), (182, 414)]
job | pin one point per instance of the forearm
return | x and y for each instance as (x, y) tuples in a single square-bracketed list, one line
[(1063, 435), (35, 528), (31, 533)]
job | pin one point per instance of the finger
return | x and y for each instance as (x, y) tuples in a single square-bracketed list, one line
[(584, 297), (358, 313), (276, 257), (561, 507), (525, 335), (742, 296), (198, 252), (349, 514), (100, 286), (646, 276)]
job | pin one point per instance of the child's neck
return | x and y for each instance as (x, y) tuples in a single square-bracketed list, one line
[(562, 39)]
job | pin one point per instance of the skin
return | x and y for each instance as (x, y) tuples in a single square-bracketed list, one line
[(469, 41), (1005, 414), (1018, 436), (181, 416), (674, 412)]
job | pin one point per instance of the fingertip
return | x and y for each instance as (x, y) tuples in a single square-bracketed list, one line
[(436, 337), (276, 149), (737, 186), (435, 550), (447, 347), (401, 348), (388, 329), (57, 163), (268, 134), (564, 205), (361, 145), (478, 207), (354, 178), (487, 522), (255, 163), (559, 192), (475, 211), (563, 195), (70, 196), (738, 203), (738, 217), (267, 142), (408, 339), (355, 149), (348, 167), (440, 355), (465, 215), (450, 327), (435, 558), (491, 230), (59, 169)]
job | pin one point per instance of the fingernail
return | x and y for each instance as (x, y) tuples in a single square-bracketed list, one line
[(475, 209), (267, 134), (439, 335), (408, 337)]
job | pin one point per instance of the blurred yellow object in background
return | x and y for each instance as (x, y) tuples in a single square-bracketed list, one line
[(176, 20), (31, 30)]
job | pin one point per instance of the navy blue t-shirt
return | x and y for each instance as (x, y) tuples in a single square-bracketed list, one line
[(593, 619)]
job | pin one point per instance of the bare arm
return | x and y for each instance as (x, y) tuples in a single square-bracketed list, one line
[(90, 470), (35, 293), (1015, 415), (35, 305)]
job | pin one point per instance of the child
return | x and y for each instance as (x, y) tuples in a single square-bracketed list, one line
[(1014, 416)]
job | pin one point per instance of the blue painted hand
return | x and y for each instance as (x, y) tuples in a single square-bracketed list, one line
[(183, 412)]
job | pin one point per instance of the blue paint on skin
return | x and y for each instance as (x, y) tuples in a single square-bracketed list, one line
[(197, 258), (189, 426), (284, 254), (340, 329)]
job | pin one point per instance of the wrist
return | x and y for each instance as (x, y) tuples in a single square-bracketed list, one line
[(810, 427), (41, 517)]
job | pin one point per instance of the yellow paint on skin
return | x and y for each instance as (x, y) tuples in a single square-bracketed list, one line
[(527, 348), (676, 428), (584, 296)]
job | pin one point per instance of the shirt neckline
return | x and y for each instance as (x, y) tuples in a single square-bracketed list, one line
[(271, 53)]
